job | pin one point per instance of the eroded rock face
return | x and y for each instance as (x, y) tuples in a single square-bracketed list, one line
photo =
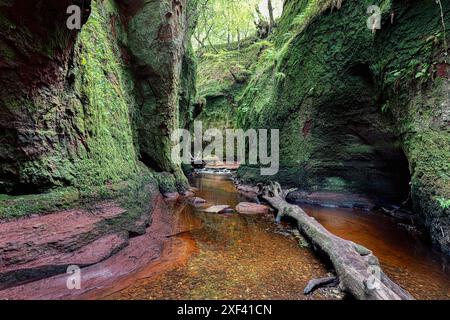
[(334, 136), (70, 109), (43, 246), (415, 77), (82, 107), (363, 112), (143, 257), (36, 50), (158, 46), (67, 101)]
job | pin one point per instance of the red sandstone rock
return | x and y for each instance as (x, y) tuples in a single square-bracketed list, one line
[(140, 259), (252, 208), (197, 202), (45, 245), (219, 209), (172, 196), (189, 194)]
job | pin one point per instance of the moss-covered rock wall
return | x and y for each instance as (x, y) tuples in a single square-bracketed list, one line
[(36, 53), (81, 108), (222, 77), (360, 111), (412, 69), (158, 41)]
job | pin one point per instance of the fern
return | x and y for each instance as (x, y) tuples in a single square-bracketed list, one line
[(445, 204), (280, 76), (313, 9)]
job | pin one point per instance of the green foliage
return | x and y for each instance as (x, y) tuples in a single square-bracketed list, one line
[(312, 10), (214, 74), (445, 204), (273, 56), (229, 21), (221, 21)]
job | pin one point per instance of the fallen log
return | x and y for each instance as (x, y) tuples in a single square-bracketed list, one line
[(315, 284), (358, 269)]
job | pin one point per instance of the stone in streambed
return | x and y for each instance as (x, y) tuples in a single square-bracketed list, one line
[(189, 193), (197, 202), (172, 196), (252, 208), (219, 209)]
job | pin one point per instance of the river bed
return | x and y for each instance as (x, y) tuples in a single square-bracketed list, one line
[(247, 257)]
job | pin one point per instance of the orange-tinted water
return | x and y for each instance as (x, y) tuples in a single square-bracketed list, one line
[(237, 257), (409, 261), (242, 257)]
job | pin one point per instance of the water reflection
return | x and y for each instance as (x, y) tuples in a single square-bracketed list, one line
[(408, 260), (241, 257)]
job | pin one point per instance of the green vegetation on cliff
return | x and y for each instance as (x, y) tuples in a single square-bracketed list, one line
[(358, 111), (222, 79), (105, 86), (78, 114)]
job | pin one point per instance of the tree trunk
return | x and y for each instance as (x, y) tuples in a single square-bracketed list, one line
[(315, 284), (238, 39), (271, 18), (358, 269)]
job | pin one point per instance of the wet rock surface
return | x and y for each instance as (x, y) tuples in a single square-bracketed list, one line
[(37, 247), (197, 202), (136, 260), (173, 196), (219, 209), (252, 208)]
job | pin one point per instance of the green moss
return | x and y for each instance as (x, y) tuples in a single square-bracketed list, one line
[(188, 92), (304, 89), (136, 198), (12, 207), (407, 66), (445, 204), (105, 119), (345, 100), (132, 194), (170, 183), (6, 52), (165, 93), (222, 91)]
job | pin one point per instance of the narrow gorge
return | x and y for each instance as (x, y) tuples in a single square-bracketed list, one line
[(88, 177)]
